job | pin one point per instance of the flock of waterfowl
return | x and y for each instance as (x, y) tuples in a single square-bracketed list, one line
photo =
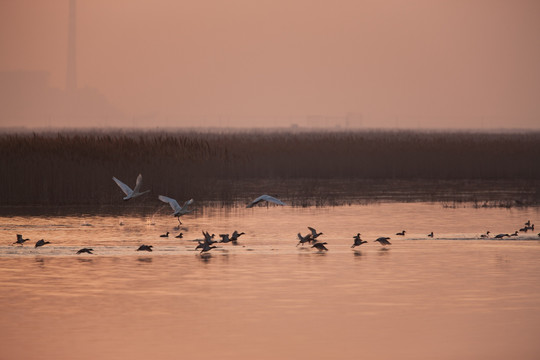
[(207, 244)]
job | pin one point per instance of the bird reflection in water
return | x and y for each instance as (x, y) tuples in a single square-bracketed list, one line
[(145, 259), (205, 257), (40, 261), (85, 260)]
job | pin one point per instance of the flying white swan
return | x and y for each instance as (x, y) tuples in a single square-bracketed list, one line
[(265, 198), (130, 194), (178, 210)]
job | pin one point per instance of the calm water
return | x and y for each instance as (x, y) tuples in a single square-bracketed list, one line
[(452, 297)]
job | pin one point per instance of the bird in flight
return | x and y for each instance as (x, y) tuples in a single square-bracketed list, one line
[(41, 243), (178, 210), (85, 250), (358, 241), (145, 248), (20, 239), (320, 246), (266, 198), (384, 241), (130, 194)]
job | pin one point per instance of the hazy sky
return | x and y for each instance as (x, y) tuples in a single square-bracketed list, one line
[(406, 63)]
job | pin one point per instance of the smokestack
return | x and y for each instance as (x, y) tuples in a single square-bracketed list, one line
[(71, 75)]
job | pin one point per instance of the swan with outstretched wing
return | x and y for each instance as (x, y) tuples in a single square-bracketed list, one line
[(130, 194)]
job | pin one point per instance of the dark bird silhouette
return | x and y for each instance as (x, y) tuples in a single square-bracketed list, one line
[(179, 236), (383, 241), (402, 233), (500, 236), (41, 243), (358, 241), (486, 235), (224, 238), (320, 246), (165, 235), (206, 247), (235, 235), (430, 234), (304, 239), (528, 223), (145, 248), (206, 243), (20, 239), (85, 250), (514, 234), (314, 234), (209, 238)]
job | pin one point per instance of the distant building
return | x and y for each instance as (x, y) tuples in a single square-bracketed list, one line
[(26, 97)]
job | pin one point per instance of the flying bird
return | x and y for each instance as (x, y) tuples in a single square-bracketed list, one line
[(145, 248), (20, 239), (130, 194), (304, 239), (41, 243), (358, 241), (320, 246), (207, 242), (266, 198), (206, 247), (178, 210), (383, 241), (235, 235), (85, 250), (314, 234), (224, 238), (209, 238)]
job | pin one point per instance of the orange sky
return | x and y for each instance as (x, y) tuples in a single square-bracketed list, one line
[(414, 63)]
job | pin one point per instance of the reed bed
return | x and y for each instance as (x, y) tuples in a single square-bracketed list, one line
[(307, 168)]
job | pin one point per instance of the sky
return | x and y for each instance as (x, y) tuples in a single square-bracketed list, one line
[(370, 63)]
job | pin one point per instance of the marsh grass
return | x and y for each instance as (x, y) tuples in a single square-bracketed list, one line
[(311, 168)]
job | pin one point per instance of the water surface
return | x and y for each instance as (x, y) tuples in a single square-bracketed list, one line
[(453, 296)]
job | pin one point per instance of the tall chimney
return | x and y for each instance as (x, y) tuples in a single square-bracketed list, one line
[(71, 75)]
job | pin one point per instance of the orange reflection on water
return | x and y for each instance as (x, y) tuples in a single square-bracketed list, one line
[(420, 299)]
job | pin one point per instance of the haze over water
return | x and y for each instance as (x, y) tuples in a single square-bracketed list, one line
[(384, 64), (453, 296)]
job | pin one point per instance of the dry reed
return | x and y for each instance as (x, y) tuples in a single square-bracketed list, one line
[(308, 168)]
